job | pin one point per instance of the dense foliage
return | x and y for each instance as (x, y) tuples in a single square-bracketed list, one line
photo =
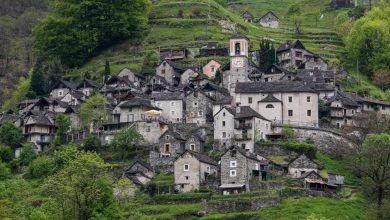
[(368, 43), (77, 29)]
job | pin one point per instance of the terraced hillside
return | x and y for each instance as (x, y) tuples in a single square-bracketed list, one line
[(192, 23)]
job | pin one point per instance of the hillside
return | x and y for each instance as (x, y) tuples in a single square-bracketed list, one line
[(169, 28)]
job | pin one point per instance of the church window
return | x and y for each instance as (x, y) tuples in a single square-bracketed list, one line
[(237, 48), (269, 106)]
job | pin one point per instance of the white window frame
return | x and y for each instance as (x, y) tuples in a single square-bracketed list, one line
[(233, 163), (195, 104), (60, 93), (173, 113), (172, 104), (233, 173), (186, 167)]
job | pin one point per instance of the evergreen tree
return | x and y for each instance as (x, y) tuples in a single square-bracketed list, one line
[(107, 71), (266, 55), (218, 77), (37, 81), (54, 72)]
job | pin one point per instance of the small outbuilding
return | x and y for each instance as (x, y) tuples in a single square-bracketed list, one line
[(269, 20)]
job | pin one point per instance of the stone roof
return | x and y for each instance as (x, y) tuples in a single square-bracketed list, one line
[(161, 96), (137, 102), (269, 12), (146, 165), (345, 98), (281, 69), (202, 157), (67, 84), (88, 82), (247, 154), (316, 76), (247, 14), (174, 134), (270, 87), (270, 98), (212, 86), (224, 100), (289, 45), (247, 112)]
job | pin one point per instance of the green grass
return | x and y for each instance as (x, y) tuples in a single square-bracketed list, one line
[(170, 211)]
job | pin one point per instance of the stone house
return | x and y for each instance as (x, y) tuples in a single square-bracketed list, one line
[(301, 165), (133, 110), (73, 97), (291, 55), (247, 17), (343, 107), (43, 104), (73, 112), (186, 76), (194, 143), (171, 143), (335, 179), (238, 167), (241, 126), (323, 81), (199, 107), (157, 83), (285, 102), (276, 73), (170, 72), (314, 62), (211, 68), (215, 91), (136, 78), (218, 104), (191, 169), (269, 20), (39, 129), (151, 130), (117, 86), (172, 54), (26, 105), (88, 87), (171, 104), (10, 116), (60, 89), (140, 173)]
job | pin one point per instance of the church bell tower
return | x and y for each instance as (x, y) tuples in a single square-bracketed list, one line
[(239, 50)]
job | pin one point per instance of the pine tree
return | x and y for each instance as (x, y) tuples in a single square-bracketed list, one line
[(266, 55), (54, 72), (107, 71), (37, 81)]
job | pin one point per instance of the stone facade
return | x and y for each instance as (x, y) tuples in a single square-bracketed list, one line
[(171, 143), (269, 20), (199, 108), (292, 55), (190, 171), (301, 165), (315, 63), (168, 71), (211, 68)]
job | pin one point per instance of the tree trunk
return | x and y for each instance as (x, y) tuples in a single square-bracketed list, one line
[(379, 201)]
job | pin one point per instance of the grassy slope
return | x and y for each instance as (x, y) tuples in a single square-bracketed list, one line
[(168, 30)]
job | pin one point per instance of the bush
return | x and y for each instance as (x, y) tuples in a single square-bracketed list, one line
[(196, 12), (151, 189), (41, 167), (301, 147), (6, 154), (92, 143), (5, 172), (288, 133), (27, 155)]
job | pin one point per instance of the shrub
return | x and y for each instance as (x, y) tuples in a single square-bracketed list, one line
[(27, 155), (301, 147), (288, 133), (92, 143), (151, 189), (41, 167), (5, 172), (6, 154), (196, 12)]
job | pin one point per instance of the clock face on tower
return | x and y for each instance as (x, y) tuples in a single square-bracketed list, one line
[(237, 62)]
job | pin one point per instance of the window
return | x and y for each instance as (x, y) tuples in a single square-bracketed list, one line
[(223, 123), (147, 128), (290, 99), (290, 112), (167, 148), (383, 107), (233, 173), (208, 169), (195, 104), (308, 112), (187, 177), (192, 147), (172, 103), (224, 114), (212, 69), (243, 146), (269, 106), (233, 163), (249, 100), (167, 137), (130, 109), (172, 113), (186, 167), (163, 71), (308, 99), (237, 48), (223, 134), (60, 93)]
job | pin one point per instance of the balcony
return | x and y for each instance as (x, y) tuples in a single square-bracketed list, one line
[(242, 137), (242, 126)]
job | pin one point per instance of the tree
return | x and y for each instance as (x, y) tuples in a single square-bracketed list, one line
[(356, 12), (10, 135), (5, 172), (37, 81), (150, 62), (218, 77), (124, 190), (107, 71), (297, 20), (54, 71), (93, 112), (125, 141), (266, 55), (373, 163), (294, 9), (63, 125), (27, 154), (83, 189), (75, 30), (368, 42), (288, 133), (92, 143), (41, 167), (6, 154), (381, 78)]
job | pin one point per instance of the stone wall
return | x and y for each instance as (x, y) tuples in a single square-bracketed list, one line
[(273, 149), (238, 205), (161, 164)]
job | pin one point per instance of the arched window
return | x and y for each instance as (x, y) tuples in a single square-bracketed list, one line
[(237, 48), (269, 106)]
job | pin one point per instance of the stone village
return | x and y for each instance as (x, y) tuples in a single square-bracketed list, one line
[(181, 112)]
